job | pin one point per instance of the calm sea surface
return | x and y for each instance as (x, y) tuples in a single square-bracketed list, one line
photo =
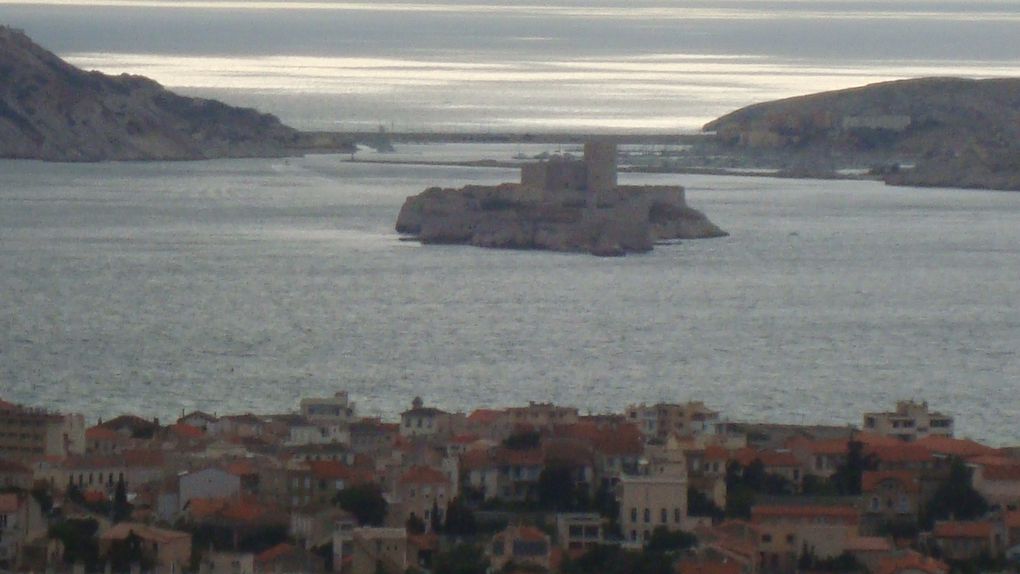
[(243, 285)]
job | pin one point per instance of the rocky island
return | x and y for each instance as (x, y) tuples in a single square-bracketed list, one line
[(560, 205), (53, 111)]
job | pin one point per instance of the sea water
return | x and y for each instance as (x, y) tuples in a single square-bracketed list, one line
[(241, 285)]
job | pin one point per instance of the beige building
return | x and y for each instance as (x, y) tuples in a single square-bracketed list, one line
[(427, 422), (169, 549), (661, 420), (579, 530), (30, 433), (421, 491), (655, 499), (379, 549), (910, 421), (541, 416), (522, 545), (786, 530)]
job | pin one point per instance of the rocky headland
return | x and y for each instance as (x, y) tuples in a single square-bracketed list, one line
[(51, 110), (945, 132), (559, 205)]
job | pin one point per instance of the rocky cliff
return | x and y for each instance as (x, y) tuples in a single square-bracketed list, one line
[(956, 132), (512, 216), (53, 111)]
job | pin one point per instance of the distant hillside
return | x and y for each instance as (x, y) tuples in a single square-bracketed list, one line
[(51, 110), (960, 133)]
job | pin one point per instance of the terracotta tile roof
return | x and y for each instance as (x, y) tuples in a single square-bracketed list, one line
[(955, 446), (1009, 472), (200, 508), (1012, 519), (900, 453), (243, 511), (184, 430), (768, 457), (423, 475), (872, 479), (330, 470), (716, 452), (464, 439), (868, 544), (846, 514), (530, 457), (485, 416), (476, 460), (6, 406), (94, 496), (530, 534), (12, 467), (427, 541), (963, 529), (699, 566), (124, 529), (199, 415), (278, 551), (910, 562), (9, 503), (101, 433), (242, 468)]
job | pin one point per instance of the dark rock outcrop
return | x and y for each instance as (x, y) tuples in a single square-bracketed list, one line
[(53, 111)]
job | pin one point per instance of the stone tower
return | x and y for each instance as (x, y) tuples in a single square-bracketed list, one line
[(600, 161)]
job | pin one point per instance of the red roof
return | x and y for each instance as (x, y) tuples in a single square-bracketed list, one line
[(900, 453), (530, 534), (9, 503), (955, 446), (464, 439), (698, 566), (1012, 519), (242, 468), (278, 551), (846, 514), (529, 457), (485, 416), (10, 466), (101, 433), (872, 479), (330, 470), (716, 452), (963, 529), (184, 430), (608, 439), (94, 496), (423, 475), (4, 405), (1001, 472), (769, 458), (911, 561)]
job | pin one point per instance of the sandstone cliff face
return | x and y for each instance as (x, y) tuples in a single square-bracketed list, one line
[(51, 110), (513, 217)]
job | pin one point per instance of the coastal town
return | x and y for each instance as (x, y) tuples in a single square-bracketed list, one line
[(670, 487)]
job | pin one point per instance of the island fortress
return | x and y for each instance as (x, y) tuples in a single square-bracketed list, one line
[(561, 204)]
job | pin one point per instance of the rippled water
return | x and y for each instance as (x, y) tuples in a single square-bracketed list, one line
[(237, 285)]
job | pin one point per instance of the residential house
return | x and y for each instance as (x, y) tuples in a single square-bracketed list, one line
[(967, 539), (207, 483), (660, 420), (168, 549), (337, 409), (427, 422), (14, 475), (998, 481), (889, 497), (539, 416), (28, 433), (787, 530), (288, 559), (379, 550), (579, 530), (21, 521), (520, 545), (422, 492), (221, 562), (910, 421)]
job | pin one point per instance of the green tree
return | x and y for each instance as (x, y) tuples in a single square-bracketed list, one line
[(956, 497), (665, 540), (524, 440), (460, 520), (365, 502), (461, 559), (848, 476), (121, 507), (698, 504), (79, 540), (556, 488), (414, 524)]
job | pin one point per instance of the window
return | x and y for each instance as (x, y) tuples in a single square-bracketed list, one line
[(648, 515), (663, 516), (677, 515), (766, 538), (790, 538), (633, 515)]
